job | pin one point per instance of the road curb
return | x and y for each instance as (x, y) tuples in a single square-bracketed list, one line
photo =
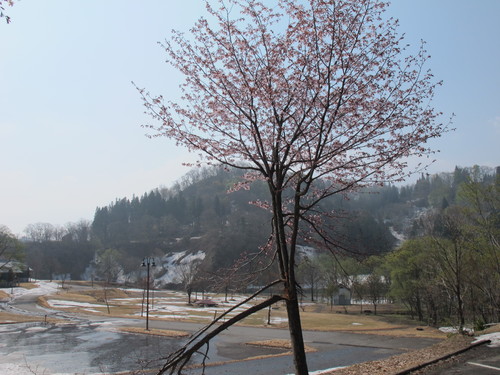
[(442, 358)]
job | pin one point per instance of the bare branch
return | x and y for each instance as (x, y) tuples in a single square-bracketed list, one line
[(178, 360)]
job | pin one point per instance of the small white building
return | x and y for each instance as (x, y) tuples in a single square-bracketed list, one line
[(342, 296)]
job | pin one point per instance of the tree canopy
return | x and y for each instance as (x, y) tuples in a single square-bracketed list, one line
[(315, 98), (10, 247)]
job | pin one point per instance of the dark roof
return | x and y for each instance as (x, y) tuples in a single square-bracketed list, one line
[(14, 265)]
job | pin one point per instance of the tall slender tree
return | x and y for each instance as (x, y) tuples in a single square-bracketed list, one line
[(295, 93)]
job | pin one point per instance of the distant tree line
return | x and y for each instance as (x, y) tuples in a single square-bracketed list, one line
[(59, 251), (445, 271), (450, 269)]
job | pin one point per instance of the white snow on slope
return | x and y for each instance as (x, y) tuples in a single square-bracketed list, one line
[(307, 251), (172, 263)]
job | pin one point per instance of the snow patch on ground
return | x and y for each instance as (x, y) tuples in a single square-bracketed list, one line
[(307, 251), (61, 304), (66, 304), (493, 337), (43, 288), (278, 320), (400, 237), (454, 330), (325, 371)]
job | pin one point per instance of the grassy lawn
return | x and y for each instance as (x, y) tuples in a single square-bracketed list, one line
[(170, 305), (155, 332), (4, 295), (167, 305), (6, 318), (28, 285)]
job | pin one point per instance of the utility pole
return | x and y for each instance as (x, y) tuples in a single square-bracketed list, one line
[(148, 262)]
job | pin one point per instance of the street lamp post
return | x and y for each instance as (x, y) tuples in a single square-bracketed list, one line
[(147, 262)]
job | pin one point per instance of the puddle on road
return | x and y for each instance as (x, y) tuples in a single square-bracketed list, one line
[(81, 349)]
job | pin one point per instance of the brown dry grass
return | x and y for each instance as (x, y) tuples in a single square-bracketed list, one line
[(319, 318), (314, 316), (492, 329), (90, 295), (28, 285), (4, 296), (378, 325), (111, 293), (6, 318), (94, 297), (155, 332), (117, 311)]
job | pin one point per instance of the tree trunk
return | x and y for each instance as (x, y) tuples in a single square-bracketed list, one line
[(460, 308), (295, 329), (312, 290), (418, 305)]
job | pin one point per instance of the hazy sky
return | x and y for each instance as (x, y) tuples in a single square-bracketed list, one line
[(70, 118)]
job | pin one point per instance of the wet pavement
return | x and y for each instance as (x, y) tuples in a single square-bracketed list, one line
[(97, 347), (83, 348), (336, 357), (94, 345)]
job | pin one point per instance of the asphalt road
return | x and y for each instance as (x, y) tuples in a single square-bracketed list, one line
[(87, 345)]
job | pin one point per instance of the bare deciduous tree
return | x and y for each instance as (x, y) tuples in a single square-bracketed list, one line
[(187, 276), (40, 232)]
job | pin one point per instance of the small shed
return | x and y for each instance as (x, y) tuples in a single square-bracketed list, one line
[(343, 296), (13, 272)]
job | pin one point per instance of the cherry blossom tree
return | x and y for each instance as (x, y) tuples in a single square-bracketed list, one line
[(314, 97), (3, 3)]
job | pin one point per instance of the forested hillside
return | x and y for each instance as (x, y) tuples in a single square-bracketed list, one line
[(432, 245), (199, 213), (449, 269)]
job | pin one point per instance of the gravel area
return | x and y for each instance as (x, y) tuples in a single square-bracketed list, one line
[(458, 364), (396, 364)]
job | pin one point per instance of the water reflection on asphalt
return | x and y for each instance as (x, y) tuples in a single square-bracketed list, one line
[(83, 348)]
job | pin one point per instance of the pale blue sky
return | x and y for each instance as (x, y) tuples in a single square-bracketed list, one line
[(70, 118)]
